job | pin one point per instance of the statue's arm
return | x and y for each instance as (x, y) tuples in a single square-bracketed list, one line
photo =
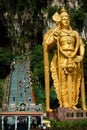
[(81, 48), (49, 39)]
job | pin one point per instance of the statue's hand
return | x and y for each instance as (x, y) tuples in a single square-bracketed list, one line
[(78, 59)]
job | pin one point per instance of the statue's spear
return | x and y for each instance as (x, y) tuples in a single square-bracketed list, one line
[(83, 90), (47, 76)]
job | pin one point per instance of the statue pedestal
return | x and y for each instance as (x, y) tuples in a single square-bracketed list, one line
[(62, 114)]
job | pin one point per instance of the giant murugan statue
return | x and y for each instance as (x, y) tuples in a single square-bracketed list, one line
[(66, 66)]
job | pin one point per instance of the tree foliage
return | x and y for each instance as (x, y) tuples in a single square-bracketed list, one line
[(77, 16), (5, 61), (1, 94), (37, 67)]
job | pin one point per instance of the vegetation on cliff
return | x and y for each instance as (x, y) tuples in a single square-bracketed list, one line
[(21, 32)]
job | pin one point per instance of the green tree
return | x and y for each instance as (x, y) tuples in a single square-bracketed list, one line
[(1, 94), (77, 18), (5, 61), (37, 67)]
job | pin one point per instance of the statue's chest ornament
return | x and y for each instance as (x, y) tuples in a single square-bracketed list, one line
[(68, 39), (67, 36)]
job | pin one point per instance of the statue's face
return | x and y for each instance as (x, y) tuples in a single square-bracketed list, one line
[(65, 21)]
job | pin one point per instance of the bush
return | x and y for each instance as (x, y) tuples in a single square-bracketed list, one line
[(69, 125)]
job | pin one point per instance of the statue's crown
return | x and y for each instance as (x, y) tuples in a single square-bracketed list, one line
[(57, 17), (63, 12)]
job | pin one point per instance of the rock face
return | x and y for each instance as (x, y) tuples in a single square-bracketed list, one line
[(26, 25), (71, 3)]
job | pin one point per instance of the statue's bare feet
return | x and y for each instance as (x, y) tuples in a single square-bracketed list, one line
[(49, 110), (84, 108), (75, 108)]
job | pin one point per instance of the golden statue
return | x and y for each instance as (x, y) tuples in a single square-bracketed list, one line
[(67, 63)]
